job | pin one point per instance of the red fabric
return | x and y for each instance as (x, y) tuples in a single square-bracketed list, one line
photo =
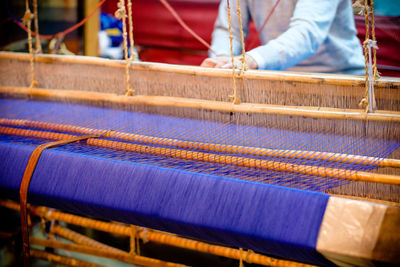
[(387, 31), (161, 29), (162, 39), (174, 56)]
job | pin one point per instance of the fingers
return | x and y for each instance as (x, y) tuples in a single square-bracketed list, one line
[(209, 63), (224, 62), (216, 62), (227, 66), (221, 62), (236, 62)]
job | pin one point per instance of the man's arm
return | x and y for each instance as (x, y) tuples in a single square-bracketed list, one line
[(220, 36), (308, 29)]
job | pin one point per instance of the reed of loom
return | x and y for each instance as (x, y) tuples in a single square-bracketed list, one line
[(267, 87), (188, 95)]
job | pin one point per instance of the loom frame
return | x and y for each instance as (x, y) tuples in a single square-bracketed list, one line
[(387, 93)]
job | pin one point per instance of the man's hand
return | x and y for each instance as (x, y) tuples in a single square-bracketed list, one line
[(215, 62), (225, 62)]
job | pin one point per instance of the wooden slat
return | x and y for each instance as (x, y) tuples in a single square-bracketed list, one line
[(165, 101), (91, 29)]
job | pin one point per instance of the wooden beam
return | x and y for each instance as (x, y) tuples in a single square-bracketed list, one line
[(91, 30), (178, 102)]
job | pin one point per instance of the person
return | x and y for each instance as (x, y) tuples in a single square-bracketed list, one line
[(301, 35)]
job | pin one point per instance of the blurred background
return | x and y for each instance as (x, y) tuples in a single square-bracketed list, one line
[(158, 36)]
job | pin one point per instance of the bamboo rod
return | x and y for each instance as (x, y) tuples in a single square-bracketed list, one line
[(211, 147), (222, 159), (50, 214), (315, 78), (177, 102), (54, 258), (80, 239), (124, 257), (157, 237), (250, 162)]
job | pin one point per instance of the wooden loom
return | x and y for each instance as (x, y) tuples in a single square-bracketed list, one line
[(318, 224), (190, 92)]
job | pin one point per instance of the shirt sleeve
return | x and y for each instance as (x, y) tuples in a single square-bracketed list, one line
[(308, 28), (220, 36)]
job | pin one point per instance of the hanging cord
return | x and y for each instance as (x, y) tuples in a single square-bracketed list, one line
[(265, 22), (243, 59), (371, 78), (376, 73), (27, 20), (243, 68), (38, 46), (185, 26), (130, 91), (131, 41), (121, 14), (371, 73), (235, 97), (163, 2), (23, 26)]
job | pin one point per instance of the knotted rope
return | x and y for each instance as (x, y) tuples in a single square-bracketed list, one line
[(131, 41), (121, 14), (243, 68), (38, 46), (235, 97), (371, 72), (243, 59), (27, 21)]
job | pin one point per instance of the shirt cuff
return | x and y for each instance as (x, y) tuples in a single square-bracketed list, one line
[(266, 57)]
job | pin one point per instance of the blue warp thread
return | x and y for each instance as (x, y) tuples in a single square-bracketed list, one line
[(209, 132), (263, 210), (265, 218)]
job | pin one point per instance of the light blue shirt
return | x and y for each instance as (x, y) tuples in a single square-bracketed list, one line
[(301, 35)]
